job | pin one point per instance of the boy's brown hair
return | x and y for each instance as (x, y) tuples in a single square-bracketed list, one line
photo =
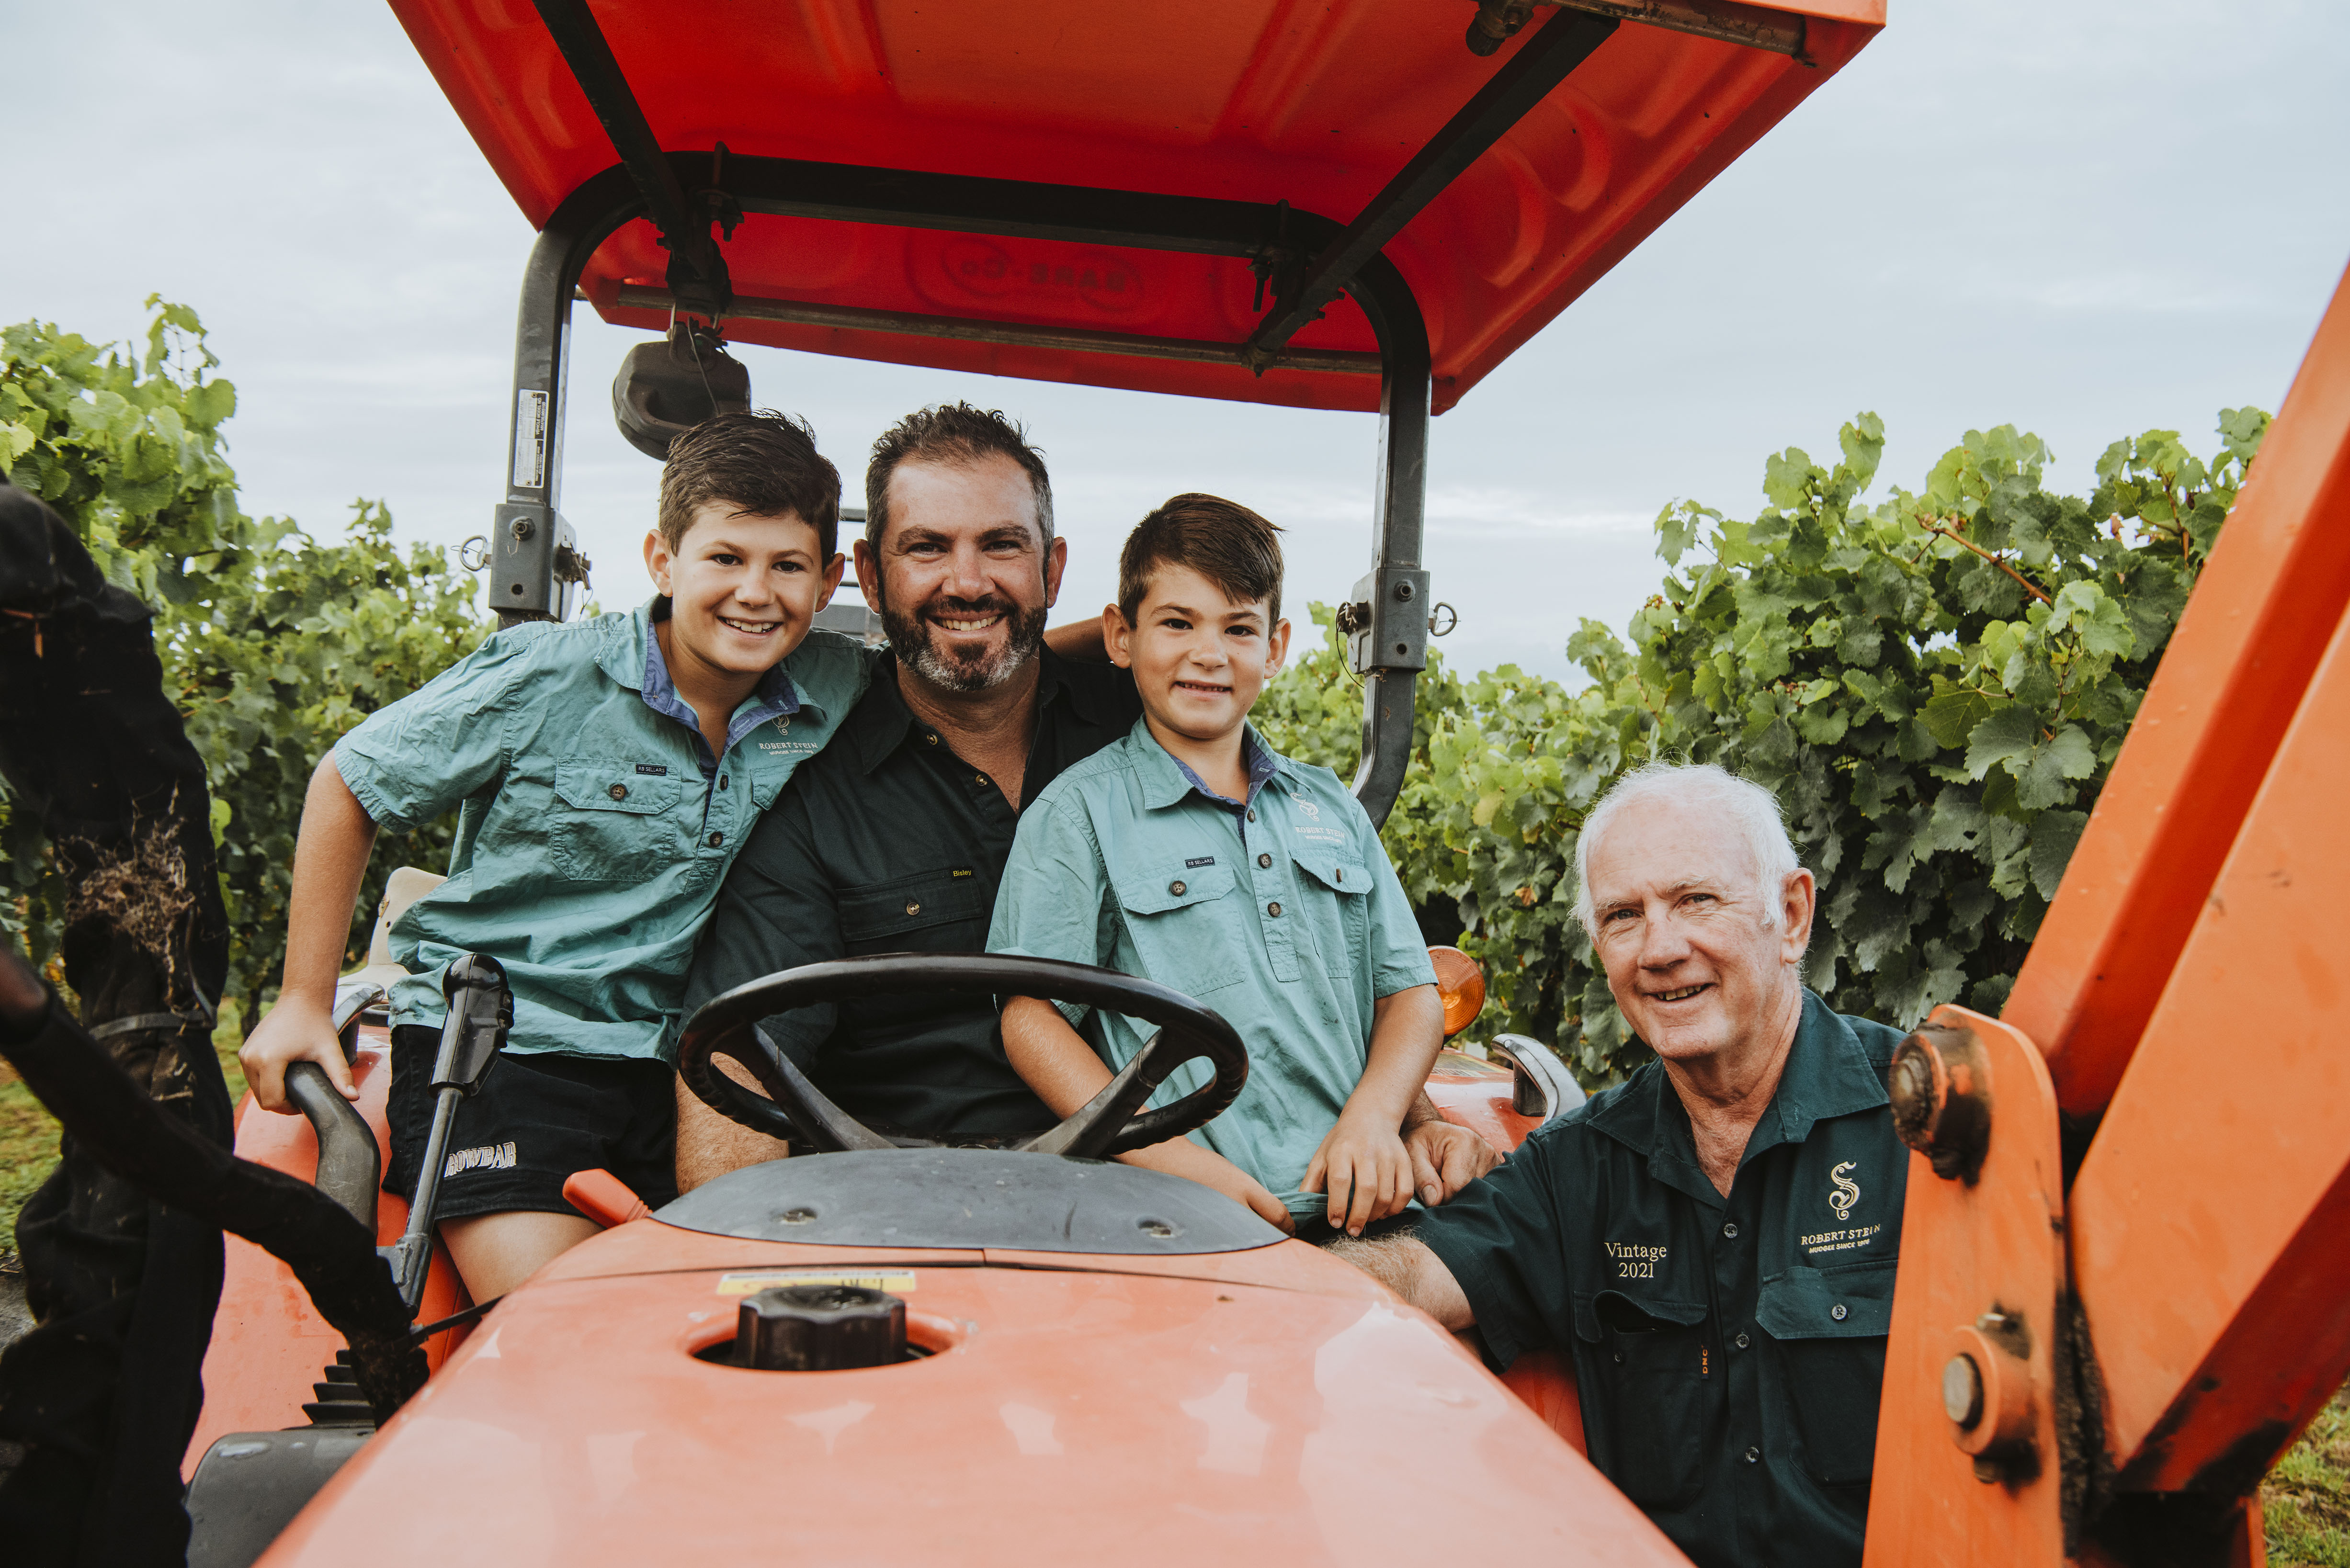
[(760, 463), (1221, 540)]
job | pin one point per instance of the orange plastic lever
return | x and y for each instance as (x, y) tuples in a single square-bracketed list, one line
[(603, 1197)]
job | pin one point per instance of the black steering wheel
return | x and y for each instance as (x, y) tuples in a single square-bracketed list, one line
[(1102, 1127)]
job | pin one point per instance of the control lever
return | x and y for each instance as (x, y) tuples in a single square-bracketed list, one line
[(349, 1164), (481, 1011)]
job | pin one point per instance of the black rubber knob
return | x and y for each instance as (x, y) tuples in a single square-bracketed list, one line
[(819, 1328)]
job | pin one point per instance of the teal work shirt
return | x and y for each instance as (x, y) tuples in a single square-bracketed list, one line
[(1728, 1350), (594, 826), (1281, 912)]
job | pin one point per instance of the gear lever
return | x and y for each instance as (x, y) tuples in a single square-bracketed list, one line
[(481, 1011)]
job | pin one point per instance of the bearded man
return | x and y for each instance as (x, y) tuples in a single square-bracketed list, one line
[(892, 839)]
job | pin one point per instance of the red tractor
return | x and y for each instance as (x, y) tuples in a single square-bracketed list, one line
[(2120, 1297)]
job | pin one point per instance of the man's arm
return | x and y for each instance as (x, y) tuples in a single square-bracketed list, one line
[(1412, 1272), (330, 858), (1055, 1061), (774, 911), (1079, 640), (1362, 1163)]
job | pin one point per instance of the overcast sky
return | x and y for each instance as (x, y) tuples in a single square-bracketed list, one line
[(2087, 218)]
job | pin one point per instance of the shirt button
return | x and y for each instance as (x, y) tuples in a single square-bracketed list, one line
[(979, 779), (1273, 909), (933, 740), (1175, 888), (1741, 1342), (716, 840), (1339, 874), (1251, 815), (619, 792), (1730, 1230), (913, 905), (1753, 1455), (722, 781), (1265, 861), (1838, 1312)]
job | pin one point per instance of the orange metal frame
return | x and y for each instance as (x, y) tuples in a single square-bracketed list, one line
[(2192, 1285)]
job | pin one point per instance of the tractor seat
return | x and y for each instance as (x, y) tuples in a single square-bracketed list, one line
[(402, 888)]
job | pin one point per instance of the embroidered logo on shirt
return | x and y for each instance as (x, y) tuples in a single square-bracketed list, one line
[(1634, 1259), (1193, 864), (963, 871), (490, 1157), (784, 724), (655, 770), (1310, 809), (1847, 1190)]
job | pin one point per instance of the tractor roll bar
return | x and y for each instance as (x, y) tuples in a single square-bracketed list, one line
[(536, 569)]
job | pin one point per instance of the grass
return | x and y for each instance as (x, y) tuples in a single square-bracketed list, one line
[(2307, 1498)]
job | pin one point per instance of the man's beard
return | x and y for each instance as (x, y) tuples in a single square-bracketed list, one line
[(974, 669)]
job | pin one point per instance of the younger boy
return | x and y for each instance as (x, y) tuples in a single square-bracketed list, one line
[(1191, 854), (606, 772)]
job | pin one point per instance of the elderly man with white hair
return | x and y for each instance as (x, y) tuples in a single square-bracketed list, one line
[(1712, 1242)]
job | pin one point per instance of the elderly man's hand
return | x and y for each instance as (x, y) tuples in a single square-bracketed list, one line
[(1445, 1158)]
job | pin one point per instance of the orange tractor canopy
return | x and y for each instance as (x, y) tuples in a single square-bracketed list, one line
[(1347, 205)]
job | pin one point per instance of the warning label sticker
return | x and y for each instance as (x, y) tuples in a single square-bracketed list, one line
[(530, 440), (897, 1282)]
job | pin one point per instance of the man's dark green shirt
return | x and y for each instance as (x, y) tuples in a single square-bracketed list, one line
[(888, 842), (1728, 1350)]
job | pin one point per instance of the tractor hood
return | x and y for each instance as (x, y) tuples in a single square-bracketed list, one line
[(1175, 1409)]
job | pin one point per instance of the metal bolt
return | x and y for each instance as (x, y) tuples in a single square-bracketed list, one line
[(521, 529), (1940, 1085), (1962, 1390), (1403, 592)]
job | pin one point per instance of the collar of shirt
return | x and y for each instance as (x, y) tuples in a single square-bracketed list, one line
[(1827, 1075), (881, 723), (1166, 781), (1259, 761), (649, 677)]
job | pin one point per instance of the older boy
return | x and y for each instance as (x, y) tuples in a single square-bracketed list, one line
[(1193, 854), (606, 771)]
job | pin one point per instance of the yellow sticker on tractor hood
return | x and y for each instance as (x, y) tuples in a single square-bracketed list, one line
[(897, 1282)]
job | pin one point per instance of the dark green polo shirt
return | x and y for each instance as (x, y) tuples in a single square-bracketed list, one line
[(888, 842), (1728, 1350)]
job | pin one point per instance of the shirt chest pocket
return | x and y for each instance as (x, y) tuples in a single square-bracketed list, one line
[(613, 822), (1831, 1325), (885, 917), (1656, 1361), (1186, 926), (1331, 882)]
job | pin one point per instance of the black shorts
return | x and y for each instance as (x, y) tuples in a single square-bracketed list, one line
[(538, 1119)]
